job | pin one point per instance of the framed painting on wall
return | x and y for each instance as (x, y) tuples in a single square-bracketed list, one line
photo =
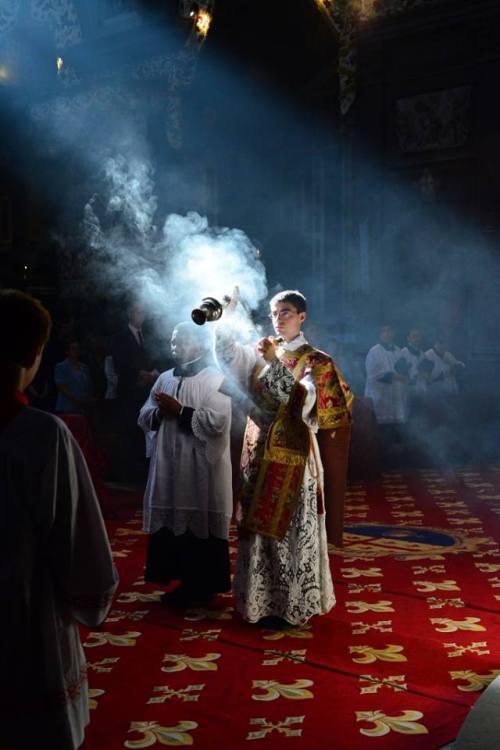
[(433, 121)]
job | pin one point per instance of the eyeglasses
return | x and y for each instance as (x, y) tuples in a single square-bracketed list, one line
[(282, 314)]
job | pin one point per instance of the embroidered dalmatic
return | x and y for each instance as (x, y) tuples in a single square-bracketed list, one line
[(282, 566), (56, 569)]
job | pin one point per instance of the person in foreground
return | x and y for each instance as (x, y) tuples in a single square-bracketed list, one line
[(188, 497), (282, 566), (56, 567)]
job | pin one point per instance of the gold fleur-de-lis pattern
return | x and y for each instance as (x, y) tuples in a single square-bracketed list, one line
[(360, 628), (474, 682), (179, 662), (164, 693), (360, 588), (385, 586), (435, 602), (102, 638), (296, 690), (204, 613), (103, 666), (425, 587), (408, 722), (477, 647), (189, 634), (369, 654), (94, 694), (131, 597), (371, 684), (152, 732), (273, 658), (277, 635), (359, 572), (288, 727), (116, 615), (446, 625), (359, 607)]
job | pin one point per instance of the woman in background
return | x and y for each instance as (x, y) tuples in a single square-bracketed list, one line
[(72, 378)]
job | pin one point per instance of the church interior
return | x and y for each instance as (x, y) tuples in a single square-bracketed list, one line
[(159, 153)]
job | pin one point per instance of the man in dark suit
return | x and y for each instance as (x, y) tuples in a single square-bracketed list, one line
[(135, 378)]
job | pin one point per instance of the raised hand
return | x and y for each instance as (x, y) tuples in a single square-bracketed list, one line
[(267, 348)]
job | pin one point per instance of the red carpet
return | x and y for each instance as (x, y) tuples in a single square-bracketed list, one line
[(413, 639)]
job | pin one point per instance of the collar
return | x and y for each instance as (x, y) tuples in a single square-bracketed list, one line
[(21, 397), (11, 406), (291, 346), (136, 332), (414, 350), (387, 347), (188, 369)]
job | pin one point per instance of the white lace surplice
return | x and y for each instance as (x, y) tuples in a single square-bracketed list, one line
[(189, 483), (442, 378), (389, 398), (288, 578)]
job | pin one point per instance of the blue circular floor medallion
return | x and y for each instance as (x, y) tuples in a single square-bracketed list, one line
[(405, 542)]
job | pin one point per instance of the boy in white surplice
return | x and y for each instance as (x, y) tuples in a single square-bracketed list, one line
[(188, 498)]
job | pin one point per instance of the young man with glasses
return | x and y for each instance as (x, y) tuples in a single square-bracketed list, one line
[(294, 390)]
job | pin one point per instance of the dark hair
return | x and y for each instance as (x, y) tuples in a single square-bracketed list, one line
[(294, 297), (28, 328)]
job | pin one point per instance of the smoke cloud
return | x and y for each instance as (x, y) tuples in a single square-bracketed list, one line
[(170, 269)]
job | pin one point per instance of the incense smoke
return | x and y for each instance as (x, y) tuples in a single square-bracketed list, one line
[(172, 269)]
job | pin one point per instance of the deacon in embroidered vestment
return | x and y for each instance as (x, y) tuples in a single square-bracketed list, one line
[(56, 568), (188, 497), (295, 390)]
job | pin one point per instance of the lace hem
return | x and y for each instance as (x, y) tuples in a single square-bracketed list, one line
[(178, 521)]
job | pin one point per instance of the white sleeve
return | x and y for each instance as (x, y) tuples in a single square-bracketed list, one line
[(452, 360), (376, 366), (148, 410), (211, 424), (78, 547), (308, 410), (237, 359)]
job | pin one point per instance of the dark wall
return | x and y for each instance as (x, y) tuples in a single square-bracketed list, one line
[(425, 237)]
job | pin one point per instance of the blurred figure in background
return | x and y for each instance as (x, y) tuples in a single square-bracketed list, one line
[(387, 386), (414, 355), (111, 378), (136, 375), (445, 431), (72, 378), (445, 368)]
